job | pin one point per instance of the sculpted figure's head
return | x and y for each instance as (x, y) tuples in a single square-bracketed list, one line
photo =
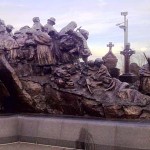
[(36, 19), (18, 34), (98, 62), (51, 21), (24, 29), (30, 31), (2, 22), (9, 28), (45, 28), (85, 33)]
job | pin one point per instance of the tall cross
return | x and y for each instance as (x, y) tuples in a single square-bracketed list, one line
[(127, 52), (110, 45)]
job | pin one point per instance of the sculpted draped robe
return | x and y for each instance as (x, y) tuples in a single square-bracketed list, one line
[(9, 45), (44, 48)]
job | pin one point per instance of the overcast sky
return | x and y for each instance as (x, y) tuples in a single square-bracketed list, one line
[(99, 17)]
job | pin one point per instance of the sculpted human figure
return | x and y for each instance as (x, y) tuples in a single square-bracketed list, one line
[(2, 23), (96, 76), (30, 44), (69, 44), (45, 29), (102, 75), (7, 44), (69, 48), (84, 50), (55, 47), (24, 29), (79, 38), (145, 78), (2, 34), (52, 32), (50, 25), (19, 37), (37, 25), (44, 48)]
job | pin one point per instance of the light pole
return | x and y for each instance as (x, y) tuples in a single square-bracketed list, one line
[(124, 26)]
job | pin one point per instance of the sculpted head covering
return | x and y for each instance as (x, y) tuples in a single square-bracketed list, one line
[(9, 26), (52, 20), (30, 31), (24, 29), (85, 33)]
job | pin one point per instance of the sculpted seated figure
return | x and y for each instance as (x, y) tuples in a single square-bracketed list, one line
[(101, 76), (95, 76)]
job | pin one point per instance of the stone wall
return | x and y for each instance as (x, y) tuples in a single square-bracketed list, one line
[(76, 133)]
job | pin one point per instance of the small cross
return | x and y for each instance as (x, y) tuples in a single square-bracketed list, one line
[(110, 45)]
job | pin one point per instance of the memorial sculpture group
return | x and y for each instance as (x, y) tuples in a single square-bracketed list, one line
[(41, 72)]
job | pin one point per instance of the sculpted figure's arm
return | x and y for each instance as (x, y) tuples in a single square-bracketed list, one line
[(42, 38)]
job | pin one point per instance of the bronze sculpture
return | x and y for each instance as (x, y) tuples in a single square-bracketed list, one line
[(41, 70)]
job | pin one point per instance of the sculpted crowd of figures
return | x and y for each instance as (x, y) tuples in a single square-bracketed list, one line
[(39, 49), (44, 44), (43, 70)]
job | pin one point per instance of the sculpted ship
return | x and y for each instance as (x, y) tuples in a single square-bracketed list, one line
[(41, 72)]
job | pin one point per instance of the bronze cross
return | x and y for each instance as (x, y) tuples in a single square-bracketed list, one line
[(127, 52), (110, 45)]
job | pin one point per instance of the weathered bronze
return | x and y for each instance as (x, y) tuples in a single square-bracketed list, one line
[(41, 71), (127, 53), (127, 76), (110, 61)]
